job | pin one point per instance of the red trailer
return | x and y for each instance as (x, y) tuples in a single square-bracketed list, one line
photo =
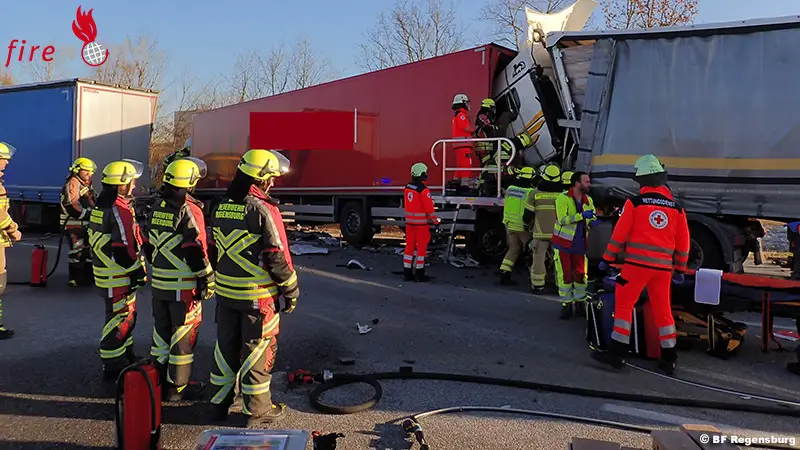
[(352, 141)]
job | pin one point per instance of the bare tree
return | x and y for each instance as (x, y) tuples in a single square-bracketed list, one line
[(246, 78), (508, 18), (137, 63), (6, 79), (42, 71), (308, 68), (624, 14), (411, 31)]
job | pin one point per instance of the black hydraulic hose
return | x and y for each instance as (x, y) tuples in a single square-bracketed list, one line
[(413, 427), (337, 380), (58, 255)]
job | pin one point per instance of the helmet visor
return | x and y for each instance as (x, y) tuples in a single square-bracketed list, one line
[(283, 162), (7, 150), (200, 165), (138, 170)]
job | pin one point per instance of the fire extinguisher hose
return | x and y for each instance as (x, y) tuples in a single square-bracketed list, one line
[(58, 254)]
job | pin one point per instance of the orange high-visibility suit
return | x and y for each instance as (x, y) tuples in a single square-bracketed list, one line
[(420, 214), (655, 236), (461, 129)]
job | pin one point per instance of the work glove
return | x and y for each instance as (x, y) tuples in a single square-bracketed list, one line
[(205, 287), (677, 278), (588, 214), (289, 304), (603, 266), (138, 278)]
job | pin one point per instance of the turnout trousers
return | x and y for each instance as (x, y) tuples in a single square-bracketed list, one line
[(175, 330), (245, 350), (116, 343), (538, 267), (3, 276), (630, 284), (516, 241), (417, 239), (570, 276), (79, 257)]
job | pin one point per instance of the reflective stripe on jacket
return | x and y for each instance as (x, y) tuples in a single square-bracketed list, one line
[(418, 205), (567, 218), (171, 231), (652, 230), (544, 205), (517, 201), (109, 228), (7, 224), (77, 198), (253, 261)]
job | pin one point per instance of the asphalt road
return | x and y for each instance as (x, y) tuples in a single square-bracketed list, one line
[(52, 396)]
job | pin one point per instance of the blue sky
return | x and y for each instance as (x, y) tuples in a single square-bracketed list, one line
[(205, 36)]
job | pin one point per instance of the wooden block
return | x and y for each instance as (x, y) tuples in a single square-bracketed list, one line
[(672, 440), (695, 431), (592, 444)]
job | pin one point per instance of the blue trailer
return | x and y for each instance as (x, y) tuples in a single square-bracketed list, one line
[(51, 124)]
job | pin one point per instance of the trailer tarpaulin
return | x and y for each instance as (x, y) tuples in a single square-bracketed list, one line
[(719, 111)]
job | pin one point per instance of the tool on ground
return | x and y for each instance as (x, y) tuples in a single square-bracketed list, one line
[(138, 407), (325, 441), (301, 376)]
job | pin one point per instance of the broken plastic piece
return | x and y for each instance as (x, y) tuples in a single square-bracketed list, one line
[(363, 329), (307, 249), (356, 264)]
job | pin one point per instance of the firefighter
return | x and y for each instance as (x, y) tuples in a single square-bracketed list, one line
[(518, 216), (9, 231), (575, 214), (654, 233), (461, 129), (544, 205), (509, 172), (566, 179), (420, 215), (485, 127), (254, 270), (184, 152), (119, 268), (77, 200), (176, 247)]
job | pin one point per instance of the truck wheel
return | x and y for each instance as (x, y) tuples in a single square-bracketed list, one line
[(705, 251), (355, 227), (487, 244)]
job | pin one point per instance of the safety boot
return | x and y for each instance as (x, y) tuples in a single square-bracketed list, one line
[(408, 274), (420, 276), (667, 364), (613, 357), (191, 391), (219, 413), (275, 413), (505, 279), (566, 311), (6, 333)]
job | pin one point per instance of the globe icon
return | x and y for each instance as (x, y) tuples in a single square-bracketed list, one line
[(93, 53)]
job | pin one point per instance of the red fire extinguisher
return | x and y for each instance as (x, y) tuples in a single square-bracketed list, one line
[(138, 403), (39, 266)]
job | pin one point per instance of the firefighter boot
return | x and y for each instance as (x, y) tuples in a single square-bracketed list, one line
[(420, 276), (566, 311), (614, 356), (668, 364), (191, 391), (505, 279), (276, 413), (6, 333), (408, 274)]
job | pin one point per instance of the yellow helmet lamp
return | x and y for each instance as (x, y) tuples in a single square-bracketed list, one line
[(184, 173), (264, 164), (419, 169), (120, 173), (83, 164), (566, 178), (551, 172), (7, 150)]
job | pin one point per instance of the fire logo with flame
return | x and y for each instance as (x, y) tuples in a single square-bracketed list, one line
[(85, 29)]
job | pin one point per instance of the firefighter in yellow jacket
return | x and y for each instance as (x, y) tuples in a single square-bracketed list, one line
[(517, 217), (9, 231), (254, 271), (177, 248), (77, 201), (544, 206), (119, 269)]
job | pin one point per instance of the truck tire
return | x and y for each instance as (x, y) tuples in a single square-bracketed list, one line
[(356, 228), (705, 251), (487, 244)]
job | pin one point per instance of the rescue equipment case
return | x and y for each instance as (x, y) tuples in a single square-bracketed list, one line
[(138, 407), (600, 322)]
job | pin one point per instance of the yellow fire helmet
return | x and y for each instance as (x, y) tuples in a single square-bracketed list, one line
[(551, 172), (184, 173), (487, 103), (120, 173), (264, 164), (526, 173), (525, 140), (83, 164), (566, 178), (7, 150)]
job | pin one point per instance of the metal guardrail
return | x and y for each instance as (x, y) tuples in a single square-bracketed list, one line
[(498, 161)]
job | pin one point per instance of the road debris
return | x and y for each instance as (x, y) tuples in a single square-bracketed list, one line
[(307, 249), (363, 329)]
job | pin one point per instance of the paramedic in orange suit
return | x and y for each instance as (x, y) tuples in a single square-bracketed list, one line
[(462, 129), (653, 231), (420, 216)]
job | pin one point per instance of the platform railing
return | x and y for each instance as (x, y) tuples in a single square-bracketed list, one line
[(498, 159)]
